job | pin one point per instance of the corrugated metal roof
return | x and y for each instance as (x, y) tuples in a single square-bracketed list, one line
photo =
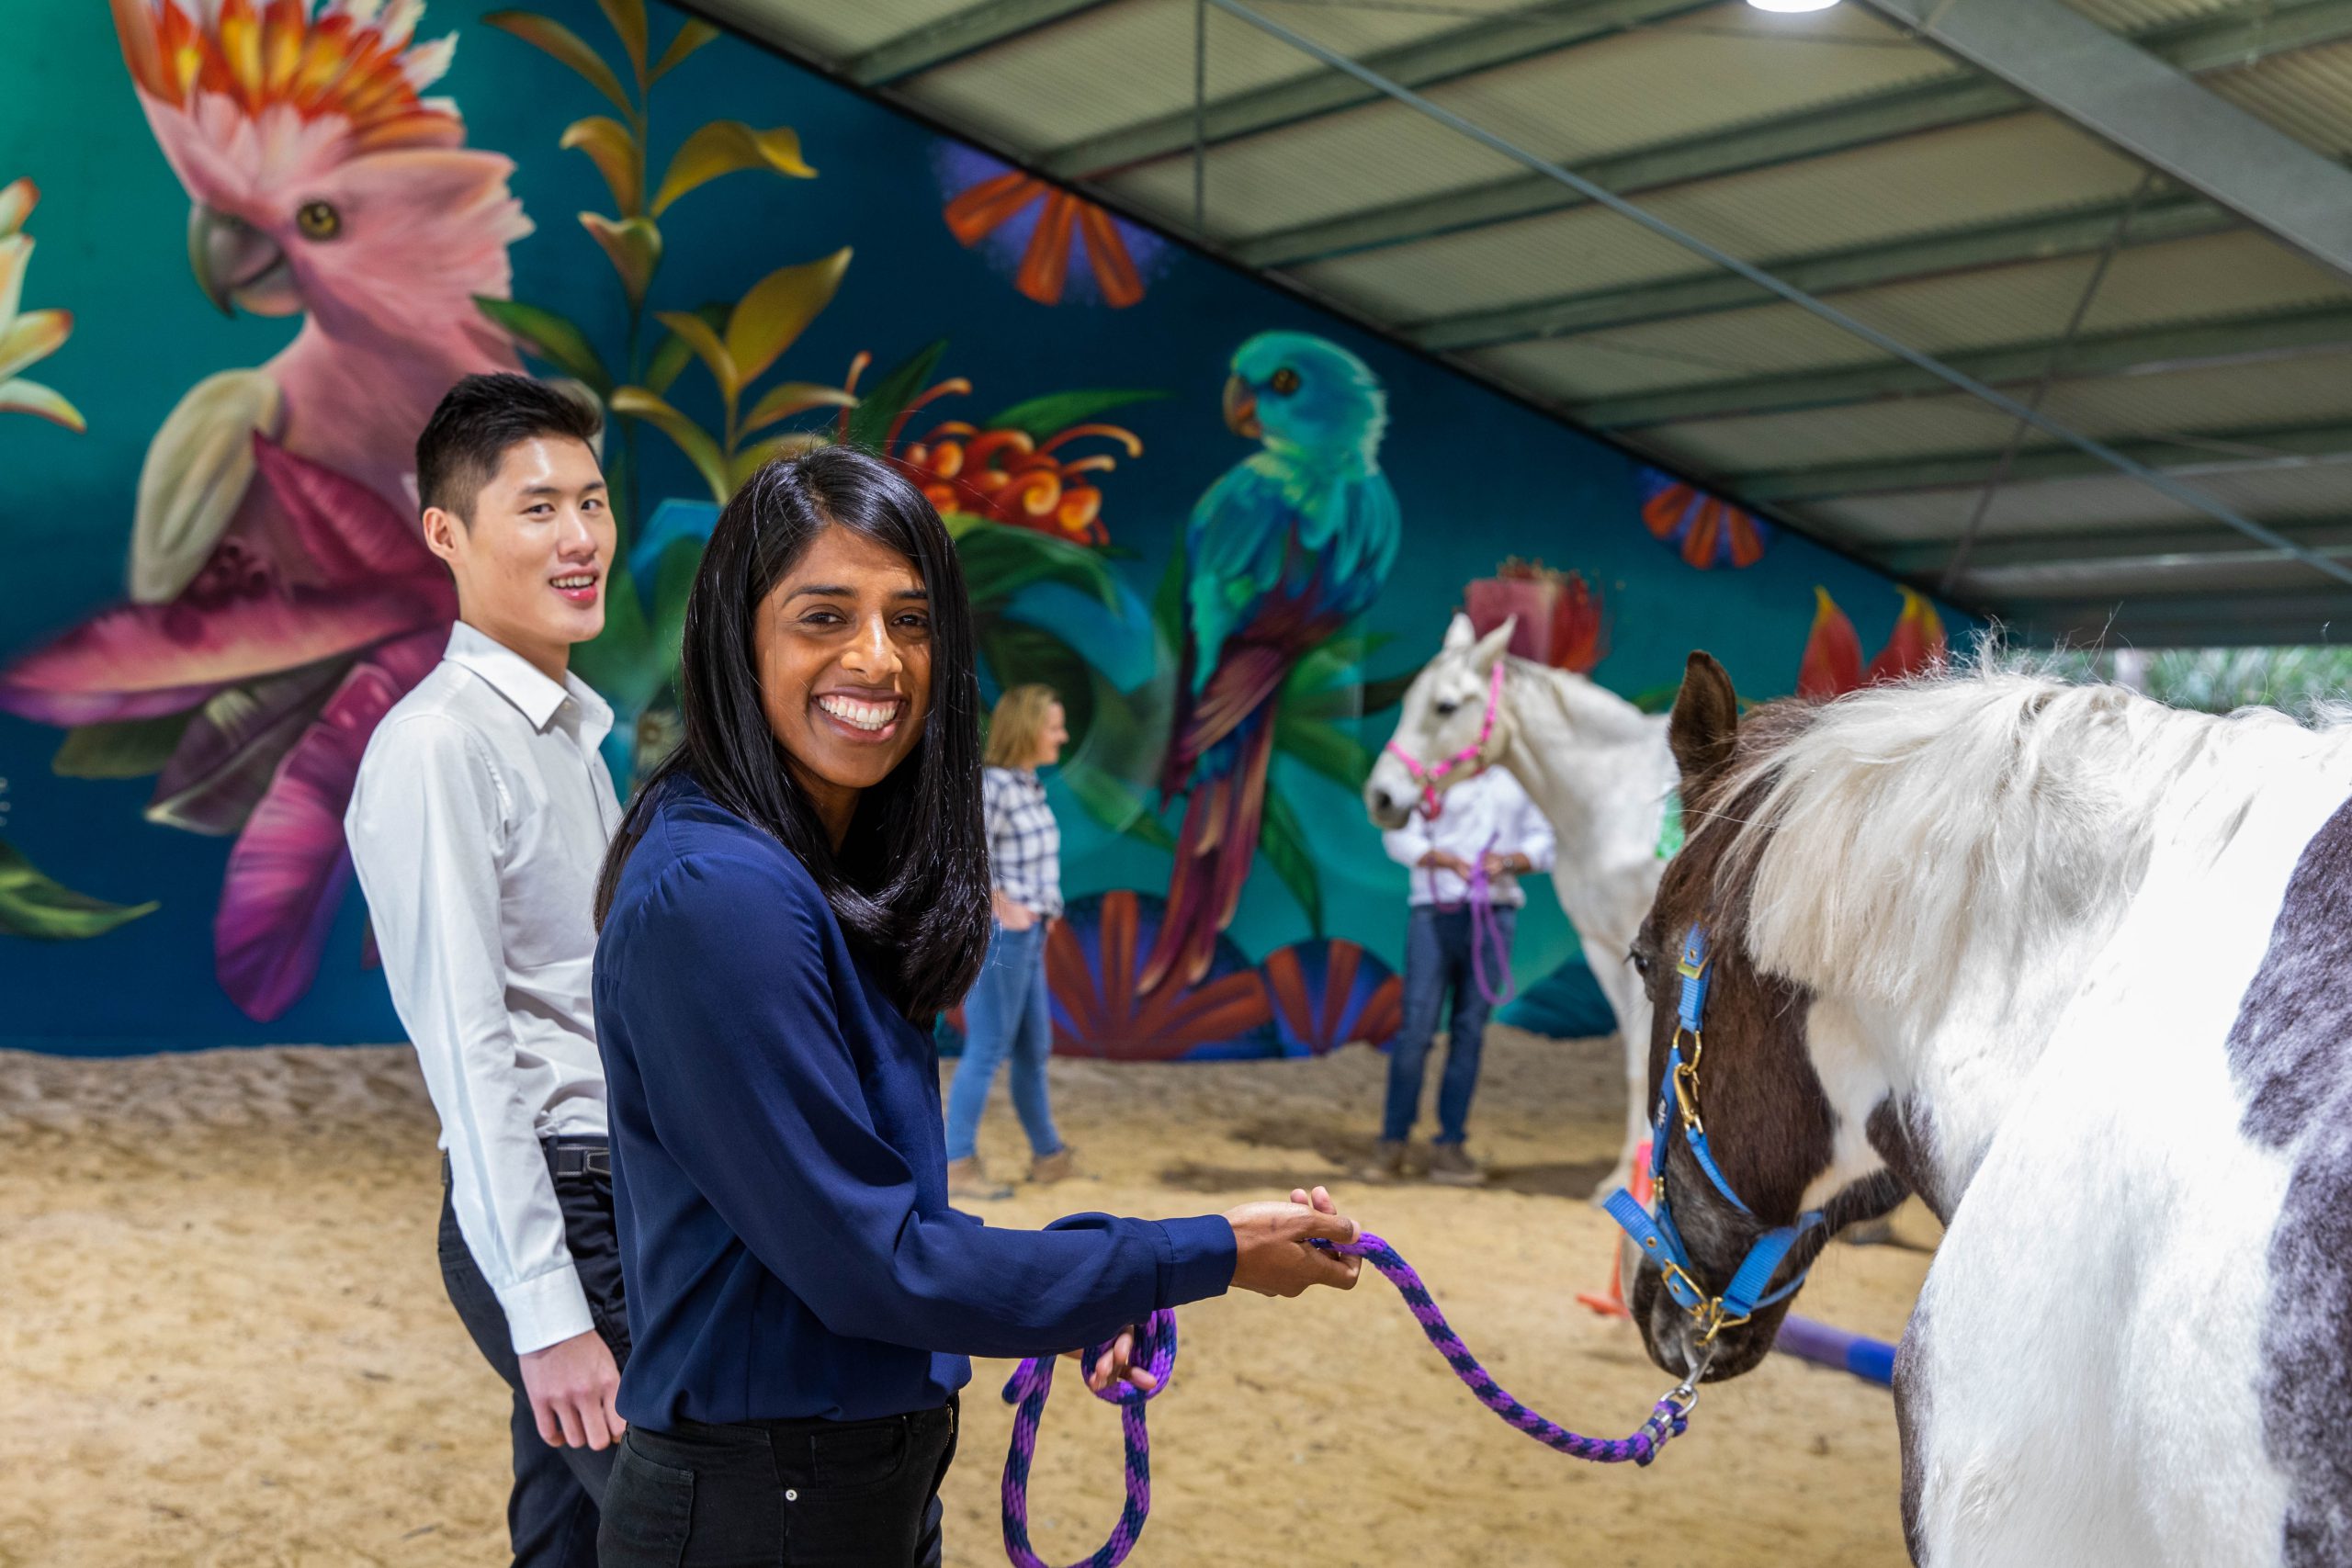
[(1921, 185), (1114, 65), (838, 32), (1337, 164), (1834, 147), (2071, 506), (2187, 280), (2306, 391), (1728, 65), (2123, 579), (2131, 15), (2308, 95), (1917, 426)]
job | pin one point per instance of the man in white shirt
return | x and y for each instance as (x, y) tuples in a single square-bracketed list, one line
[(1464, 865), (478, 826)]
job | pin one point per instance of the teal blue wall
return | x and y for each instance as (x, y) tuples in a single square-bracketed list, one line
[(1478, 477)]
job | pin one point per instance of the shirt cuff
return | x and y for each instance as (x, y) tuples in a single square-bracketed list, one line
[(546, 1311), (1197, 1259)]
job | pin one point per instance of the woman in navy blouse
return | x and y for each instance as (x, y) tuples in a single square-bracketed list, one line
[(792, 899)]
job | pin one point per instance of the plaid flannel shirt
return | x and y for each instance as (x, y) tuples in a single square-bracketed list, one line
[(1024, 842)]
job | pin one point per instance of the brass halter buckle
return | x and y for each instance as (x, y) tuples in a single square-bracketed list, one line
[(1711, 1319), (1686, 1080), (1708, 1317)]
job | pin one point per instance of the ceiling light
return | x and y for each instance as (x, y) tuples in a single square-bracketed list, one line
[(1790, 5)]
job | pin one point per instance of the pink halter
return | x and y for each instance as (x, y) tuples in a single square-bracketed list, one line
[(1430, 778)]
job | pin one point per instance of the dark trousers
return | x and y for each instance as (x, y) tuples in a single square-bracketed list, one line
[(1438, 959), (551, 1515), (795, 1493)]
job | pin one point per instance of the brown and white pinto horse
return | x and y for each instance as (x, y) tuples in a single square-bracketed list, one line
[(2076, 968)]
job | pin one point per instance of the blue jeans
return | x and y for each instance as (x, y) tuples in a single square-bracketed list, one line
[(1438, 959), (1007, 1014)]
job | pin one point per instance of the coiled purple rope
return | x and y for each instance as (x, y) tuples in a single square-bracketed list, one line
[(1156, 1349)]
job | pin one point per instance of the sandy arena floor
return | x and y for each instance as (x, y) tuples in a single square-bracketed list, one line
[(224, 1339)]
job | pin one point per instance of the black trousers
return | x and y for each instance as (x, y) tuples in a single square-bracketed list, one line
[(551, 1515), (795, 1494)]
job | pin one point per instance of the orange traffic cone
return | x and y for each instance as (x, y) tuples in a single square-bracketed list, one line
[(1611, 1302)]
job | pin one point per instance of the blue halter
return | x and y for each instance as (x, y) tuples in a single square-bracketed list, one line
[(1680, 1093)]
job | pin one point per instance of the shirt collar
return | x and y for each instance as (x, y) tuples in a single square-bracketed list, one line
[(514, 677)]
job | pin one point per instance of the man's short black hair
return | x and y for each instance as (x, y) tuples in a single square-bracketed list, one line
[(479, 418)]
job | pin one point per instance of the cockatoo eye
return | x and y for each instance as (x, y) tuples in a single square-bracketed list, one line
[(1286, 381), (317, 220)]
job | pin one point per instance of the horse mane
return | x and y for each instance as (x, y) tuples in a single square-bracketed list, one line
[(1884, 842), (1583, 703)]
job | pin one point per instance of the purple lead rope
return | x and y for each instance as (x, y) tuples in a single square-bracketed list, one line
[(1486, 935), (1486, 932), (1030, 1384), (1156, 1348)]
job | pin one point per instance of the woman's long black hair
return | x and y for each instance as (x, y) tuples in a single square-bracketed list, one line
[(910, 883)]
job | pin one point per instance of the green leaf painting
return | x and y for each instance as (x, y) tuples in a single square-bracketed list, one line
[(1041, 417), (134, 749), (870, 426), (1283, 841), (33, 905)]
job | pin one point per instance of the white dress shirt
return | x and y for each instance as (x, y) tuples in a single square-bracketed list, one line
[(1486, 812), (479, 825)]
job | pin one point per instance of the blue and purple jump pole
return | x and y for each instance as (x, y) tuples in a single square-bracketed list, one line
[(1872, 1360)]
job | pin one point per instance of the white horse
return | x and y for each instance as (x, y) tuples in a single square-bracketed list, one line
[(1597, 766), (2076, 968)]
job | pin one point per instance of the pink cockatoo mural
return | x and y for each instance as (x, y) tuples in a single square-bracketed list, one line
[(279, 598)]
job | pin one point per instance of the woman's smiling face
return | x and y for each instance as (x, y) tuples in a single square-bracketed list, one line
[(844, 647)]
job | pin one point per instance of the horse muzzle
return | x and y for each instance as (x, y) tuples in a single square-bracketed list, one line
[(1389, 796)]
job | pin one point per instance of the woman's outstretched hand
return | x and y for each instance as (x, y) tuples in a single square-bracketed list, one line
[(1272, 1241), (1273, 1260)]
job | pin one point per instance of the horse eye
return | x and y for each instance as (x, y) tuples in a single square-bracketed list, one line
[(1446, 709), (1642, 964), (1284, 380), (317, 220)]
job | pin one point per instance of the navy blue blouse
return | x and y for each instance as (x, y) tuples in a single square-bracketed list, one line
[(779, 1166)]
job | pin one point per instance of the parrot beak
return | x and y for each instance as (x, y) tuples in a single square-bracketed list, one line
[(236, 263), (1242, 409)]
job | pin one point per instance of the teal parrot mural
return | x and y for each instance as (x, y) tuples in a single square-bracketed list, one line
[(1291, 544)]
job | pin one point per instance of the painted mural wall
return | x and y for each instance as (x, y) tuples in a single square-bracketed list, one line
[(245, 243)]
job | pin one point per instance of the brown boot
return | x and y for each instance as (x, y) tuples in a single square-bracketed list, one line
[(1387, 1162), (967, 1180), (1452, 1164), (1047, 1169)]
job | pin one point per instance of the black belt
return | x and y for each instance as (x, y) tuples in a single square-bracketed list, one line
[(579, 1156), (566, 1157)]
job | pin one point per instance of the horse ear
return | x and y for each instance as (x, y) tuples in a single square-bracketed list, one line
[(1706, 719), (1492, 647), (1458, 635)]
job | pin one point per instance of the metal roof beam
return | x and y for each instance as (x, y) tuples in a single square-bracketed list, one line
[(2166, 620), (2100, 452), (2130, 99), (960, 33), (2232, 38), (1462, 51), (2223, 452), (2039, 238), (2228, 341), (2150, 545)]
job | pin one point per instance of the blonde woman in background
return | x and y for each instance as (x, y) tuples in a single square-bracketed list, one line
[(1007, 1013)]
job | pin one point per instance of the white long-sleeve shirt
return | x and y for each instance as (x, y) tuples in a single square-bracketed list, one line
[(1487, 812), (479, 825)]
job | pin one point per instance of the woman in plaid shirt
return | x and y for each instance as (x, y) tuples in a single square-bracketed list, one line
[(1007, 1012)]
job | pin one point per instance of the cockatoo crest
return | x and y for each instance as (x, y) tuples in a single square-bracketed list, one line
[(324, 183), (353, 63)]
